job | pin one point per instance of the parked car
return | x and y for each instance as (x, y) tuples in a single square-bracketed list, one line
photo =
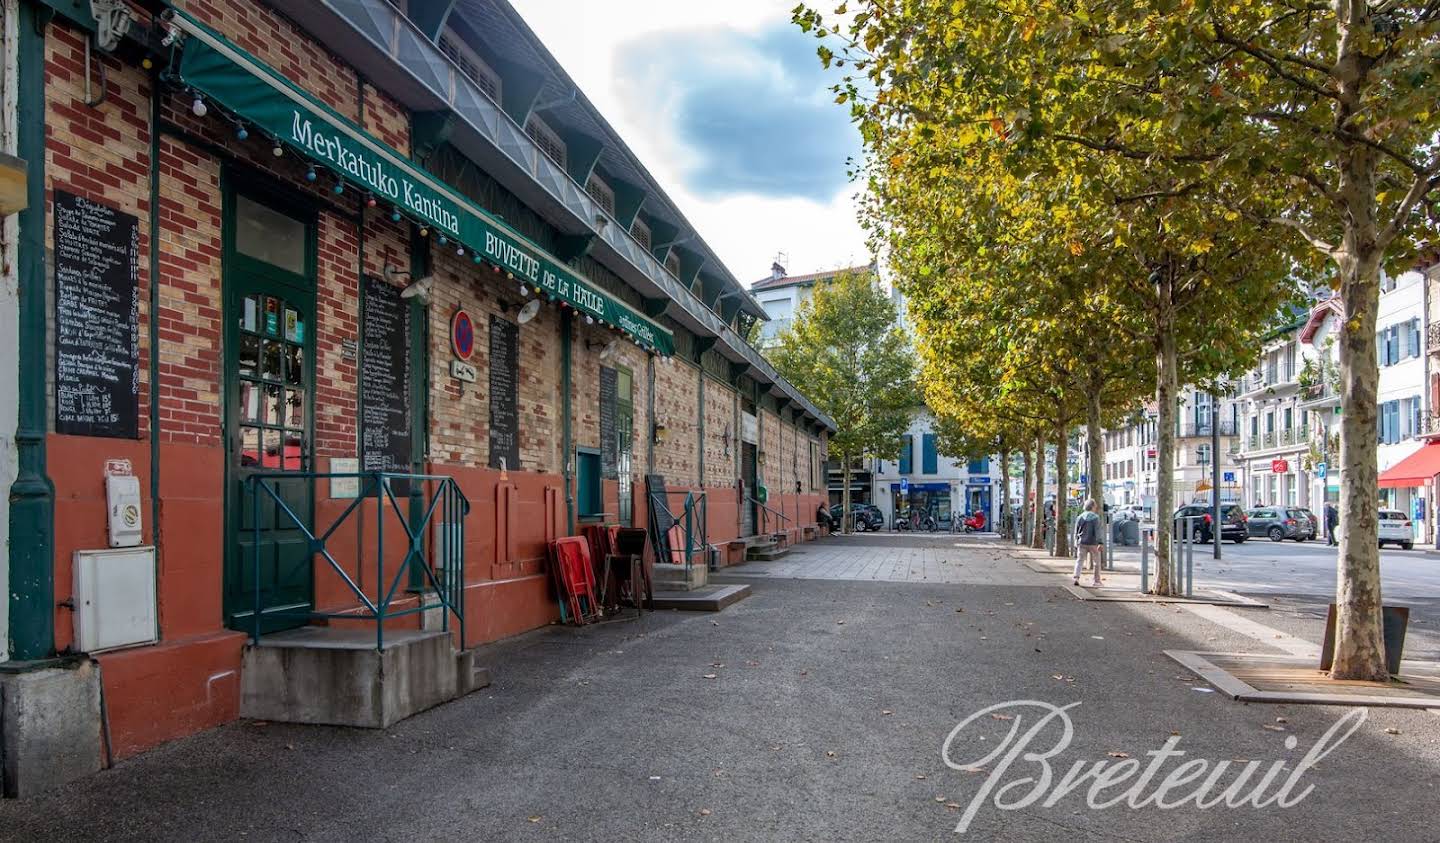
[(1314, 521), (1232, 522), (867, 516), (1280, 523), (1395, 528)]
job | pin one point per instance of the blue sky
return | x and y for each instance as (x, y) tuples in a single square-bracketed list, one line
[(728, 107), (754, 108)]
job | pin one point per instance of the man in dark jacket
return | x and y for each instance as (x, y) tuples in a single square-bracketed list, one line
[(1332, 520)]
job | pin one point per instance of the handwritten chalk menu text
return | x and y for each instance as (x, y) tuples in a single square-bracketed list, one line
[(609, 444), (97, 319), (504, 394), (384, 379)]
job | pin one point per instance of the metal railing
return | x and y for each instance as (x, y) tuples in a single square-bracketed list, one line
[(1278, 438), (1432, 334), (692, 520), (766, 512), (1188, 431), (438, 563)]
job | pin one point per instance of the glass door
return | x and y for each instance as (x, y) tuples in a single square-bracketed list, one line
[(269, 400)]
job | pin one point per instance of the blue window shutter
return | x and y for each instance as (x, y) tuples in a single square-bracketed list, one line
[(929, 460), (907, 446)]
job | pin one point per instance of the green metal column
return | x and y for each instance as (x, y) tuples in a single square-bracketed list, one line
[(32, 496), (567, 457)]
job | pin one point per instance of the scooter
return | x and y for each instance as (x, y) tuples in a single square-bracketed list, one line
[(975, 523)]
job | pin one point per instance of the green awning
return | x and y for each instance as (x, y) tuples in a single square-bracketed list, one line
[(255, 93)]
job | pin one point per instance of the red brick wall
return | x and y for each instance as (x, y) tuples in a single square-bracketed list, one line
[(677, 397)]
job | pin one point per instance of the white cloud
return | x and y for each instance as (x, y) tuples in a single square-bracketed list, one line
[(745, 230)]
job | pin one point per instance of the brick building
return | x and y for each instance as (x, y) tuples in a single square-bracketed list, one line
[(226, 200)]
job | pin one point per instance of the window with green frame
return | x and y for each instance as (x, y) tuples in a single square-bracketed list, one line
[(907, 451), (589, 502)]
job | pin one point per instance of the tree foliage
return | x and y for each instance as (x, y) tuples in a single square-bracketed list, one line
[(1185, 133), (847, 351)]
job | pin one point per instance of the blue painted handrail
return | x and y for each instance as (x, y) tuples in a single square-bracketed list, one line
[(438, 563)]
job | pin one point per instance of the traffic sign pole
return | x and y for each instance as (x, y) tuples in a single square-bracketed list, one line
[(1217, 531)]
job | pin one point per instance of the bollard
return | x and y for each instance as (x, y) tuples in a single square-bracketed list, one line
[(1144, 563)]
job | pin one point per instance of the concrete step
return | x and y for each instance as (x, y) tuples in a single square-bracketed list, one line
[(670, 577), (335, 676), (766, 551), (711, 598)]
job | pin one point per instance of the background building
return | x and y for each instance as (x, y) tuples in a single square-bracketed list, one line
[(925, 480), (782, 294)]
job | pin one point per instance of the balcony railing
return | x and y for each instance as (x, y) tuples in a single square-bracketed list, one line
[(1430, 422), (1278, 438), (1432, 338), (1187, 431), (1324, 391)]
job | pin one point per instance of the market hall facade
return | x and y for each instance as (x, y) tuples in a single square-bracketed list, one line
[(272, 248)]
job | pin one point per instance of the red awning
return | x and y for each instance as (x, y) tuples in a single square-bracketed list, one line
[(1415, 470)]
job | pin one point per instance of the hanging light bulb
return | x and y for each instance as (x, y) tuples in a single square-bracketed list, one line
[(477, 258), (370, 201), (339, 187), (198, 107), (241, 133), (444, 240), (460, 250), (395, 215), (278, 150), (589, 320), (510, 275), (424, 231), (147, 63), (310, 174), (524, 290)]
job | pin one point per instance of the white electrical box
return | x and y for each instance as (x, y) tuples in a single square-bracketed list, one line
[(122, 494), (115, 598)]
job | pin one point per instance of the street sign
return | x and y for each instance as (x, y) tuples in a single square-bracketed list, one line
[(1279, 466), (1229, 476), (904, 485), (1320, 469), (1082, 480)]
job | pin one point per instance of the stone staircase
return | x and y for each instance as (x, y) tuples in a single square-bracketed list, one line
[(666, 576), (766, 548)]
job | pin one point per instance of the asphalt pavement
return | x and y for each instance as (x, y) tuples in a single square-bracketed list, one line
[(1259, 566), (815, 710)]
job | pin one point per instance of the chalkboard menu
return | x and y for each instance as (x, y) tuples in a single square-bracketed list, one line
[(384, 379), (504, 394), (97, 319), (609, 444)]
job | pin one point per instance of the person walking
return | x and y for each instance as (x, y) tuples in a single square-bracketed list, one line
[(1332, 520), (1091, 542)]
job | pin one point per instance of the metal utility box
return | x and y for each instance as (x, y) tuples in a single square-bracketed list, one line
[(115, 598), (122, 496)]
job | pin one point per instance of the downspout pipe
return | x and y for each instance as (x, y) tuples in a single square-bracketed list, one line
[(32, 496)]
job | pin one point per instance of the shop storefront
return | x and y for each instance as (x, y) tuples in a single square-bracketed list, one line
[(275, 278)]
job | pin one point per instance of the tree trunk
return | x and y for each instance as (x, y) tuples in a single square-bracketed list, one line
[(1003, 528), (1062, 487), (1095, 489), (1037, 518), (1025, 491), (1166, 377), (1359, 642), (847, 521)]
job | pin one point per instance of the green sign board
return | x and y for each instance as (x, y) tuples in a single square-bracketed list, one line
[(255, 93)]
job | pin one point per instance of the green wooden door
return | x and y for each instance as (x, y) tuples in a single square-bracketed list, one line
[(269, 280)]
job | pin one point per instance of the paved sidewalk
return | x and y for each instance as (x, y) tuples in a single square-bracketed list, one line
[(899, 557), (815, 710)]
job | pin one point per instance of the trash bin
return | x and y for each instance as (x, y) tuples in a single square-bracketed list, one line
[(1127, 532)]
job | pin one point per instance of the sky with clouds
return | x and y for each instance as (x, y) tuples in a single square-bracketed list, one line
[(728, 107)]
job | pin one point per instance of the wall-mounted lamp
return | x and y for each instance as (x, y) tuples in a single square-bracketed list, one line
[(760, 458), (659, 432)]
